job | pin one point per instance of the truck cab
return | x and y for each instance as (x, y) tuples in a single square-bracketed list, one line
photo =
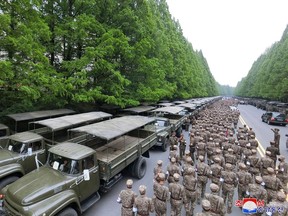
[(68, 182), (4, 133), (18, 156)]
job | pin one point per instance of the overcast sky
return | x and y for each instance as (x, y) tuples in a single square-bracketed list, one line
[(232, 34)]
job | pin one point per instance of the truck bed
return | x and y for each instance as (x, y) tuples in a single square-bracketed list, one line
[(112, 150)]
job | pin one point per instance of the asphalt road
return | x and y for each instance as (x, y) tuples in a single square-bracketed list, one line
[(107, 206)]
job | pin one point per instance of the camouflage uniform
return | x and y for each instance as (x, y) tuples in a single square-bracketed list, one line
[(231, 158), (190, 185), (244, 178), (173, 140), (161, 196), (254, 162), (256, 190), (215, 171), (246, 152), (172, 168), (274, 151), (282, 172), (177, 196), (276, 138), (206, 209), (265, 163), (229, 183), (217, 203), (210, 148), (201, 148), (182, 146), (192, 146), (188, 164), (158, 169), (127, 198), (203, 172), (237, 150), (143, 204), (280, 205), (253, 142), (272, 184)]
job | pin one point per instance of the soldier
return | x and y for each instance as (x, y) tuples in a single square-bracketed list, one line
[(237, 150), (190, 185), (182, 146), (244, 178), (201, 148), (161, 195), (280, 205), (187, 123), (127, 198), (231, 158), (255, 163), (251, 132), (143, 205), (172, 168), (256, 190), (188, 164), (173, 140), (272, 184), (282, 173), (174, 153), (215, 172), (265, 163), (229, 179), (218, 154), (192, 146), (177, 196), (246, 152), (254, 143), (274, 152), (158, 169), (276, 138), (225, 146), (210, 148), (203, 172), (206, 209), (217, 203)]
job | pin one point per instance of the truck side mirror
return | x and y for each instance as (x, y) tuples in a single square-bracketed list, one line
[(86, 175)]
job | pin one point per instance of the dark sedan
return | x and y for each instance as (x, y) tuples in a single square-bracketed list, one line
[(274, 118)]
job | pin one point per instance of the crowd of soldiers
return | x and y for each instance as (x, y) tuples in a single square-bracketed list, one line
[(221, 153)]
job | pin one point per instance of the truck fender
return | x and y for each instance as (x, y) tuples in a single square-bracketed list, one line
[(11, 169), (56, 203)]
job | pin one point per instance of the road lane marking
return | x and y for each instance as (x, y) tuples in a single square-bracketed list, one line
[(260, 148)]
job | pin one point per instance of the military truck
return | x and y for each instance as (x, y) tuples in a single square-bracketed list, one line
[(4, 133), (69, 182), (164, 131), (174, 114), (17, 158)]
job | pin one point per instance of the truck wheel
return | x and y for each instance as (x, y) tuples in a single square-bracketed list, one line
[(68, 212), (8, 180), (164, 145), (140, 168)]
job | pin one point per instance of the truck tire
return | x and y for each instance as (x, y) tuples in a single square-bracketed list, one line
[(164, 145), (140, 167), (68, 212), (8, 180)]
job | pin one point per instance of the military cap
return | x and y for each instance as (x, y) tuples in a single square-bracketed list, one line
[(281, 196), (159, 162), (242, 166), (270, 170), (201, 138), (230, 150), (210, 138), (268, 153), (258, 179), (242, 137), (173, 159), (253, 151), (201, 158), (206, 205), (218, 151), (272, 142), (214, 187), (188, 159), (228, 166), (248, 144), (129, 182), (176, 176), (252, 136), (161, 176), (217, 160), (281, 157), (175, 147), (187, 152), (142, 189), (190, 170)]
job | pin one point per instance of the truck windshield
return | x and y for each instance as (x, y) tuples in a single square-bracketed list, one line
[(64, 165), (17, 147), (161, 123)]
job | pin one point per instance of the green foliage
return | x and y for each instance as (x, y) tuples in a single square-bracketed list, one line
[(268, 76), (72, 52)]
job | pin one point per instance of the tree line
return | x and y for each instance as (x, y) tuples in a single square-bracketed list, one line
[(55, 53), (268, 76)]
